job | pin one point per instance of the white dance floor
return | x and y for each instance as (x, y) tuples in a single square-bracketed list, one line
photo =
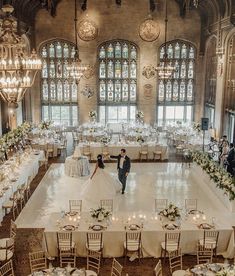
[(146, 182)]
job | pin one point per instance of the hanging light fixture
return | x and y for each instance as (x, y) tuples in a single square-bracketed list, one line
[(17, 68), (76, 68), (165, 68)]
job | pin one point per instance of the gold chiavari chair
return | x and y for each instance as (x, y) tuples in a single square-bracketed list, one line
[(7, 269), (107, 204), (133, 244), (160, 204), (143, 152), (157, 153), (93, 262), (204, 255), (75, 205), (12, 205), (7, 253), (116, 268), (171, 243), (95, 241), (11, 239), (190, 204), (176, 265), (87, 151), (67, 248), (210, 240), (37, 261), (158, 268)]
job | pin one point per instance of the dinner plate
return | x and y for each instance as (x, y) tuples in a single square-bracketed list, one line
[(205, 226), (97, 227), (170, 226), (69, 227), (72, 213), (134, 227)]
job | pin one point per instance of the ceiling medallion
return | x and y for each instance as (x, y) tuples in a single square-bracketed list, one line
[(87, 30), (149, 30), (149, 71)]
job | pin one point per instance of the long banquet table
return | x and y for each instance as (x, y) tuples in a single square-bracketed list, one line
[(132, 149), (152, 236), (28, 167)]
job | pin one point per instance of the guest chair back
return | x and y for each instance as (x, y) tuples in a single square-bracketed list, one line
[(116, 268), (190, 204), (75, 205), (93, 261), (160, 204), (7, 269), (158, 269), (37, 261), (107, 204), (94, 241), (204, 255)]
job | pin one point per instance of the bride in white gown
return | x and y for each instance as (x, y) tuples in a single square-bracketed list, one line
[(101, 185)]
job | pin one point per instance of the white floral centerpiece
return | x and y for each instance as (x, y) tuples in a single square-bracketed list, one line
[(92, 115), (45, 125), (105, 140), (219, 175), (139, 115), (140, 139), (226, 272), (100, 213), (172, 212)]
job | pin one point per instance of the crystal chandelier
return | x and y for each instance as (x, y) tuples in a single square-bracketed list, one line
[(165, 68), (17, 68), (76, 69)]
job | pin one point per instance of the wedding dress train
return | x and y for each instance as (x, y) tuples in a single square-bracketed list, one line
[(101, 186)]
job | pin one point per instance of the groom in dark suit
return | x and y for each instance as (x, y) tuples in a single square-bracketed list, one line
[(123, 166)]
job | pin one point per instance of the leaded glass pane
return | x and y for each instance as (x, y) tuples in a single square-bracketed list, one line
[(184, 51), (72, 52), (133, 70), (52, 69), (133, 52), (190, 91), (110, 69), (74, 92), (44, 69), (125, 91), (125, 70), (65, 70), (110, 51), (118, 51), (66, 50), (170, 51), (45, 90), (59, 69), (125, 51), (44, 52), (102, 70), (102, 52), (133, 91), (66, 91), (58, 50), (191, 52), (168, 91), (177, 50), (117, 69), (59, 91), (177, 70), (102, 91), (110, 91), (161, 95), (52, 51), (175, 95), (190, 70), (182, 91), (52, 91), (117, 91), (183, 70), (162, 52)]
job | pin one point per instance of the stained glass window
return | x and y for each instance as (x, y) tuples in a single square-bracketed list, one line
[(117, 75), (59, 95), (179, 89)]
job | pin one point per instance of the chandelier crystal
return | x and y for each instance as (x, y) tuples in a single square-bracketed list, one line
[(17, 68), (76, 69)]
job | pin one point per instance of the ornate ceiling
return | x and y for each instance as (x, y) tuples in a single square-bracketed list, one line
[(210, 10)]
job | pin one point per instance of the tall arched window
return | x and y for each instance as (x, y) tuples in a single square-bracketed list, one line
[(210, 80), (58, 94), (117, 81), (176, 95)]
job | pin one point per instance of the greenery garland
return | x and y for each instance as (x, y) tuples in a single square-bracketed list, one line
[(219, 175), (14, 136)]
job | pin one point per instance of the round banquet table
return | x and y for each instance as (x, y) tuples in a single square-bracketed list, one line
[(64, 272), (77, 167)]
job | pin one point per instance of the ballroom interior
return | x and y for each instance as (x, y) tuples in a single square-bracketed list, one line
[(86, 78)]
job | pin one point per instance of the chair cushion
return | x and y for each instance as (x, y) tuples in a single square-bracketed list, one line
[(180, 273), (171, 246), (94, 245), (132, 245), (66, 244), (6, 241), (143, 152), (209, 243), (8, 204), (3, 256)]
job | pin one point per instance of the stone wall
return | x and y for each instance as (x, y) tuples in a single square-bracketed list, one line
[(119, 22)]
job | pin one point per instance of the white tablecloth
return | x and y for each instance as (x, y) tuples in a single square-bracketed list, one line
[(132, 150), (28, 167), (43, 144), (152, 236), (77, 167)]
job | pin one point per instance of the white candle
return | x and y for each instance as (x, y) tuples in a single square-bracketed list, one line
[(204, 217), (197, 216), (194, 218)]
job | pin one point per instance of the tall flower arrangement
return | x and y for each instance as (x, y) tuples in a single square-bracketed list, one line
[(219, 175), (93, 115), (14, 136), (139, 115), (45, 125)]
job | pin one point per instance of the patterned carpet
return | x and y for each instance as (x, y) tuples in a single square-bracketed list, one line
[(28, 240)]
